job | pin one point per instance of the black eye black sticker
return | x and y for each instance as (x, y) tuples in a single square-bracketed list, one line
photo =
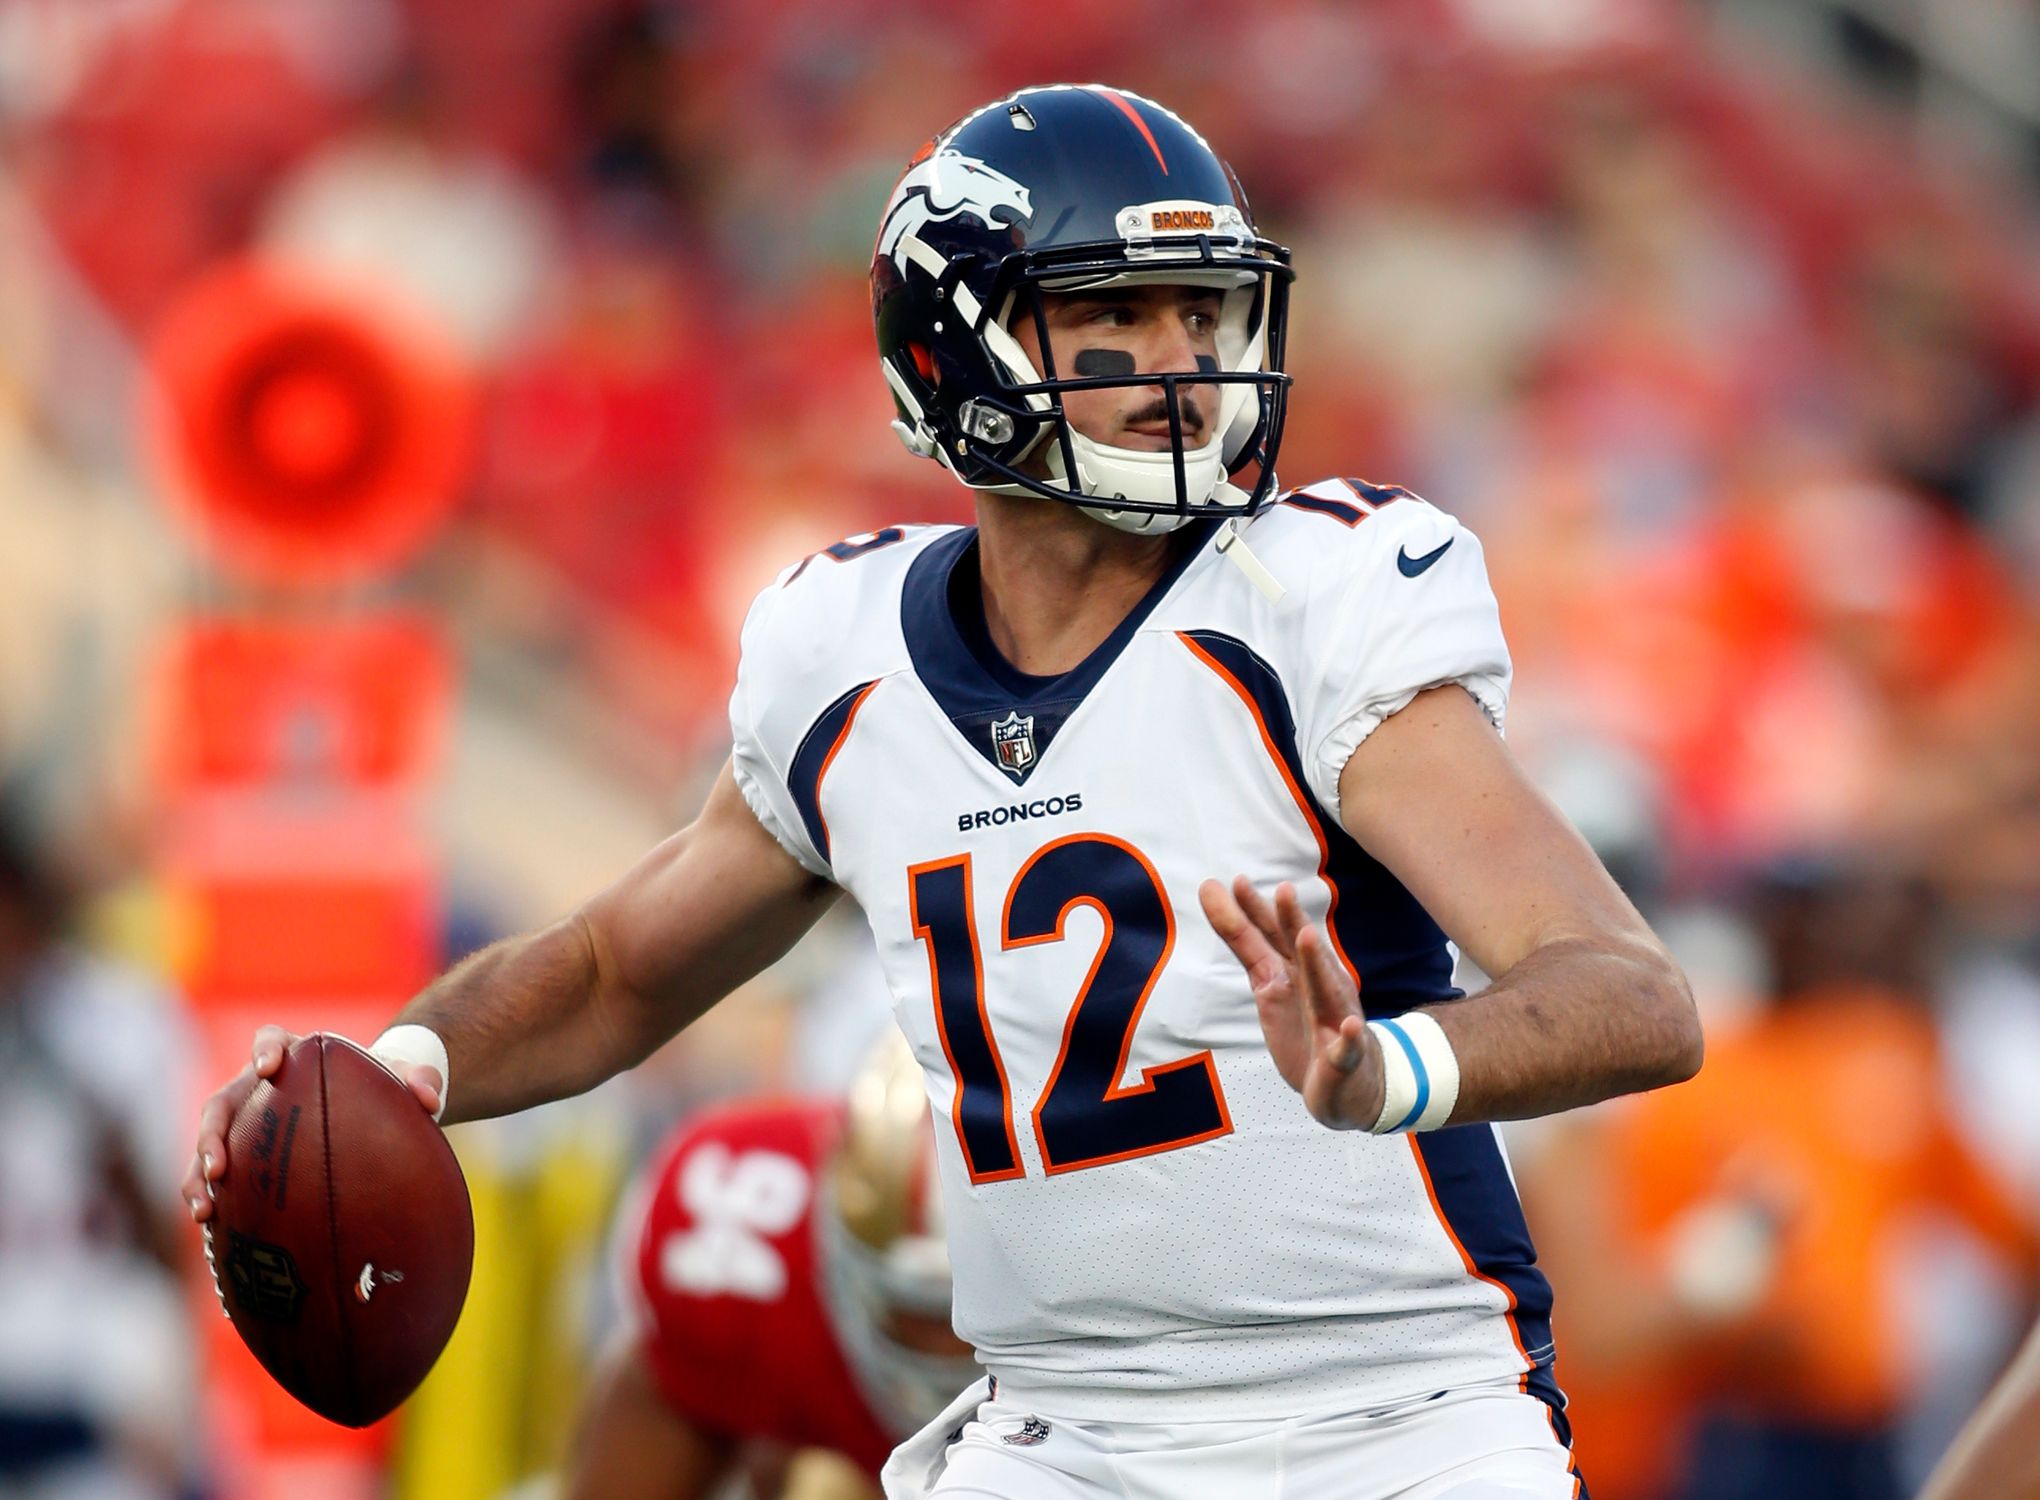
[(1096, 362), (1101, 362)]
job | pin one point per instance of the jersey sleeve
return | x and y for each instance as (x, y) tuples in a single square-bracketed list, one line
[(760, 767), (1403, 605), (816, 640)]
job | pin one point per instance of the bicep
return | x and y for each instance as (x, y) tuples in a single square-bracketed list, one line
[(1435, 795), (704, 911)]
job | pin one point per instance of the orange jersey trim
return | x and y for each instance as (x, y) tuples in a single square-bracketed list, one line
[(1438, 1211), (1296, 795), (822, 775)]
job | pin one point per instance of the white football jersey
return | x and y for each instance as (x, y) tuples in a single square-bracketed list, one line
[(1145, 1223)]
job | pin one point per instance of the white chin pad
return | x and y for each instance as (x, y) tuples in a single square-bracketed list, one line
[(1108, 473)]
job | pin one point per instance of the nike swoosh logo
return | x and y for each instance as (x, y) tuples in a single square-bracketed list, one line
[(1412, 566)]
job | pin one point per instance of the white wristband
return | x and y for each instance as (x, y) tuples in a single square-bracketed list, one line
[(1420, 1073), (417, 1047)]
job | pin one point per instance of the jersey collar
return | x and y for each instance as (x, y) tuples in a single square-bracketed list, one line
[(942, 614)]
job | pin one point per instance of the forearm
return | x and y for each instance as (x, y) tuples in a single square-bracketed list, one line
[(526, 1020), (1570, 1024), (554, 1013), (1586, 1002)]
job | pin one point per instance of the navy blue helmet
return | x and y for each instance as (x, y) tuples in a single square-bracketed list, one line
[(1062, 189)]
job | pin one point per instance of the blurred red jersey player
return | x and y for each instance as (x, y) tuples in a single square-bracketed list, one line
[(786, 1272)]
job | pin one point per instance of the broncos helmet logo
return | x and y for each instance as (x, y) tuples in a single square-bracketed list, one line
[(941, 187)]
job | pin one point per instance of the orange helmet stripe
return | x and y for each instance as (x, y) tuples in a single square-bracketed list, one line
[(1134, 115)]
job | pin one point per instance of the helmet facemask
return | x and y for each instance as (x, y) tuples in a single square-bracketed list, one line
[(1134, 489)]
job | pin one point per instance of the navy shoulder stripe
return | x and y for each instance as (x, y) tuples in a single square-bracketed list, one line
[(1398, 950), (811, 761)]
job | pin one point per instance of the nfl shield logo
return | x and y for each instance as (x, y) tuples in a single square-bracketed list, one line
[(1013, 740), (1033, 1432)]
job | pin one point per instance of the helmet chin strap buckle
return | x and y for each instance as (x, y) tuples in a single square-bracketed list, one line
[(914, 439)]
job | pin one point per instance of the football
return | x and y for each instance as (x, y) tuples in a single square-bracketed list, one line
[(341, 1239)]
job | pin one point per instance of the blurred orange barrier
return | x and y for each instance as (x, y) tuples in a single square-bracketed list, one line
[(317, 929), (309, 433), (249, 703), (285, 756)]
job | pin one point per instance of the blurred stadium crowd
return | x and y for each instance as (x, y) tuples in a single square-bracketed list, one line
[(1734, 374)]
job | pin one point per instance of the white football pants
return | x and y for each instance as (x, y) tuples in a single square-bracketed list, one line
[(1490, 1442)]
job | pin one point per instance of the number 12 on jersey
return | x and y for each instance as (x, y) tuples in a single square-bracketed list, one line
[(1084, 1117)]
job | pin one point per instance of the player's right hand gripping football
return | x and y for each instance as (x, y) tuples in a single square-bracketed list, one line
[(209, 1160), (1309, 1005)]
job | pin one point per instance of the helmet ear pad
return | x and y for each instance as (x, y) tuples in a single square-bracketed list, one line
[(932, 382), (1243, 322)]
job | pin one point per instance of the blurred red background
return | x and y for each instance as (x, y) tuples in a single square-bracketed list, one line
[(1719, 322)]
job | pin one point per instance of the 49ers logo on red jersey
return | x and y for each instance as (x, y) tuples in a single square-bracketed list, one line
[(738, 1204)]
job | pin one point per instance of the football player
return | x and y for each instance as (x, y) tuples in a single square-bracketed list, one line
[(788, 1284), (1216, 1227)]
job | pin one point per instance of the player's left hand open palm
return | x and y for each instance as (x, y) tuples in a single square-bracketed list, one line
[(1308, 1004)]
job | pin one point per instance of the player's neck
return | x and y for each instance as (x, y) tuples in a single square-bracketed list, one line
[(1056, 583)]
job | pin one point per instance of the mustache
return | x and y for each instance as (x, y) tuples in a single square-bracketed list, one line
[(1119, 363), (1158, 411)]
